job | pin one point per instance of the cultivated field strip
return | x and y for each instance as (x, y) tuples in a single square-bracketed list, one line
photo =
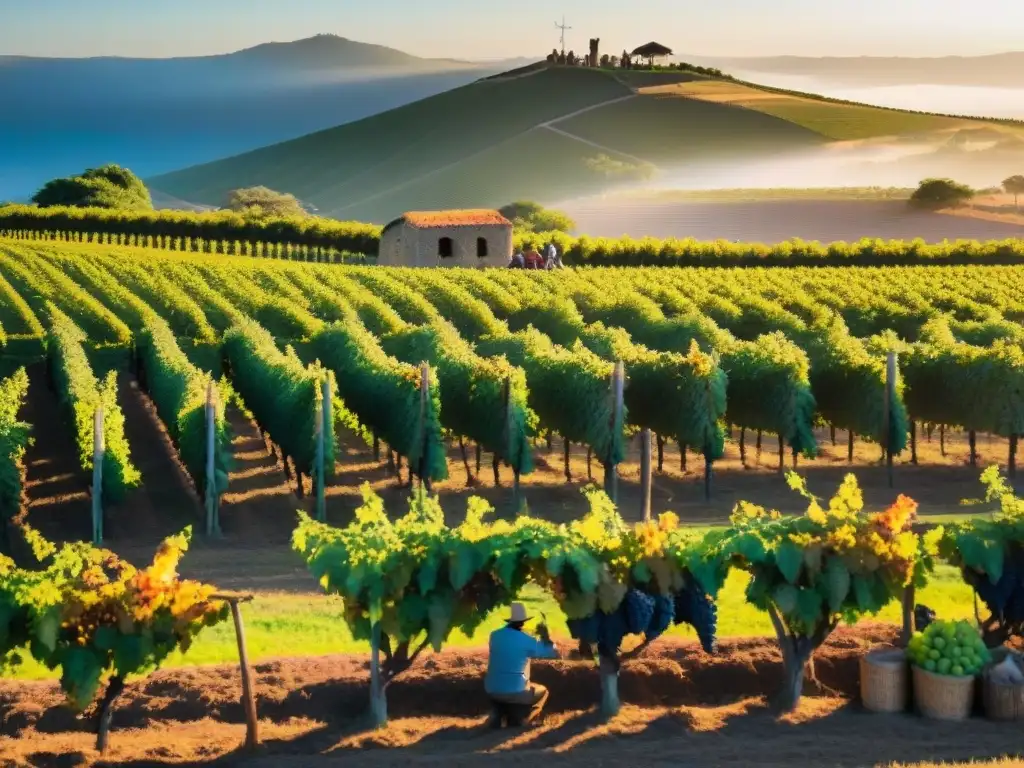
[(513, 354)]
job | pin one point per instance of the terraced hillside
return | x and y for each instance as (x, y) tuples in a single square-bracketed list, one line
[(547, 134)]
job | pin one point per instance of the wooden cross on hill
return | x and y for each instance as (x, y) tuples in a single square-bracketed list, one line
[(563, 28)]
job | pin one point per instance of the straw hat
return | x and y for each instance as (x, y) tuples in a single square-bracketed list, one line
[(517, 614)]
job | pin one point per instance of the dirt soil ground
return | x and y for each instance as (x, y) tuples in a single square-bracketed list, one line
[(773, 221), (680, 706)]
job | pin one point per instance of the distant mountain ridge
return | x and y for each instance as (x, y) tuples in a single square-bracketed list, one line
[(320, 52), (154, 115)]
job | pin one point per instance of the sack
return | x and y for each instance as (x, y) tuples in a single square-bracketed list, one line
[(1006, 672)]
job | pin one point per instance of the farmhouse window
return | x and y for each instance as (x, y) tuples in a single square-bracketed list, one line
[(444, 248), (481, 247)]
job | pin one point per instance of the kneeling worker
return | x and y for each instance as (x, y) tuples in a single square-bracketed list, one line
[(514, 699)]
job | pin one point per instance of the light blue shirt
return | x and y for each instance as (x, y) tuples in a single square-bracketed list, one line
[(508, 666)]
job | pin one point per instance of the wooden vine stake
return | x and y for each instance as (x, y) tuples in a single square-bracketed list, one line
[(611, 475), (252, 738), (645, 474), (323, 422), (212, 499), (98, 451), (509, 432), (890, 398), (423, 465)]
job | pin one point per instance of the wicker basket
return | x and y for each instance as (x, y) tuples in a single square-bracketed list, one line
[(943, 697), (1002, 701), (883, 680)]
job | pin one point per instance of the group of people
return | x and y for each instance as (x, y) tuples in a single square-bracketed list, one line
[(533, 260)]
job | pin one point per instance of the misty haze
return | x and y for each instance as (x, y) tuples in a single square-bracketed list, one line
[(978, 101)]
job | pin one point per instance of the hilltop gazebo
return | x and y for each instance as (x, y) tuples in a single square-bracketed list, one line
[(652, 51), (459, 238)]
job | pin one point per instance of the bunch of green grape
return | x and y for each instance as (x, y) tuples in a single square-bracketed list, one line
[(949, 648)]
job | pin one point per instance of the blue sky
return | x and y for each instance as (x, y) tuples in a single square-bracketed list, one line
[(494, 29)]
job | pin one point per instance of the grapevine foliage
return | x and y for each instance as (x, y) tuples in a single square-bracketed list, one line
[(80, 394), (832, 562), (990, 554), (14, 438), (92, 615)]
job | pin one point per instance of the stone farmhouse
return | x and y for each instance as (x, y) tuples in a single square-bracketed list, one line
[(459, 238)]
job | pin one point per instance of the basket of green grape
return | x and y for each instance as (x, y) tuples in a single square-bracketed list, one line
[(946, 658)]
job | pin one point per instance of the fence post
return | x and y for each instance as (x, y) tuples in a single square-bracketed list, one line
[(424, 394), (508, 441), (212, 498), (611, 475), (320, 461), (98, 451), (645, 474), (890, 398)]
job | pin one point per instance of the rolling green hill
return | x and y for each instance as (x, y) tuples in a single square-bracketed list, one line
[(543, 134)]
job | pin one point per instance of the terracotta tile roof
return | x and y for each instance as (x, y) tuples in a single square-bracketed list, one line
[(456, 218)]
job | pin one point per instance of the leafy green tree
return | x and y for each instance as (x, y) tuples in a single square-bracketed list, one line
[(940, 193), (528, 216), (110, 186), (1014, 186), (260, 202)]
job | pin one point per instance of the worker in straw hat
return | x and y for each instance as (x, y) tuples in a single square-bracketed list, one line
[(514, 699)]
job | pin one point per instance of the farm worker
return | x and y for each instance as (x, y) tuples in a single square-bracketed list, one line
[(554, 261), (534, 260), (514, 699), (517, 261)]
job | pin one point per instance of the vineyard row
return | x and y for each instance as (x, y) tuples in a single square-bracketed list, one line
[(328, 240), (514, 354)]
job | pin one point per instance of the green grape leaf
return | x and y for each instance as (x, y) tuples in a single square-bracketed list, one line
[(837, 577), (48, 627), (785, 596), (790, 560), (809, 606), (106, 638)]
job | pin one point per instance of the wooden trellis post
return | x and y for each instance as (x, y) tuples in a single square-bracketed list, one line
[(645, 474), (212, 498), (508, 440), (890, 398), (323, 422), (252, 738), (424, 394), (611, 475), (98, 451)]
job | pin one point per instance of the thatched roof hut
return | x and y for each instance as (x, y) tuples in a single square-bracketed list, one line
[(652, 51)]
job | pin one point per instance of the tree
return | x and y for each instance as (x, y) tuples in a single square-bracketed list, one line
[(1014, 186), (110, 186), (941, 193), (553, 56), (261, 202), (528, 216), (606, 60)]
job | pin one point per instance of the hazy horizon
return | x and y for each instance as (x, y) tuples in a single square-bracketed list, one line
[(463, 29)]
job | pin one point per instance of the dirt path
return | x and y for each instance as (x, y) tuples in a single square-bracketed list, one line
[(166, 500), (57, 488), (680, 707)]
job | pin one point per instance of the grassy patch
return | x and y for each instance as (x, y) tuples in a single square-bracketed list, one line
[(841, 122)]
